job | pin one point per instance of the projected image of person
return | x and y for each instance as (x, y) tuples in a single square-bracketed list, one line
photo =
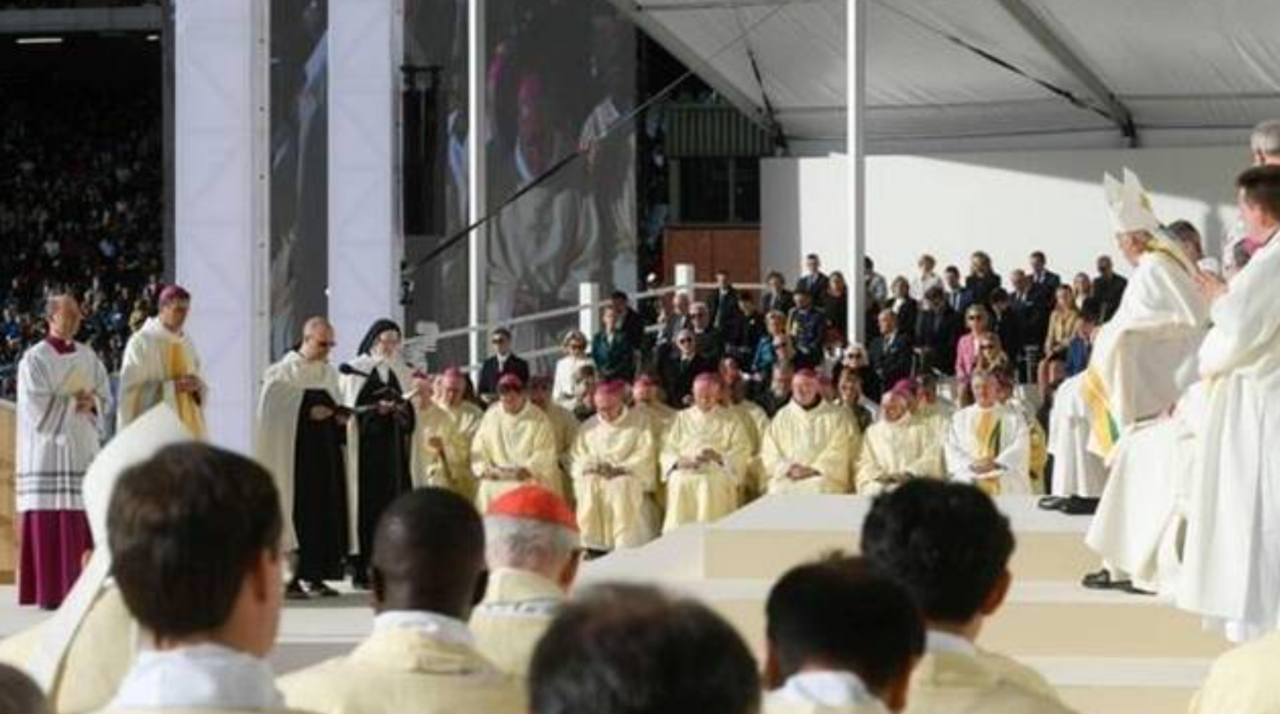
[(560, 75), (299, 167)]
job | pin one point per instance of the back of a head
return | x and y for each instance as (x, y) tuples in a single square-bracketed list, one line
[(20, 695), (185, 527), (1265, 139), (1261, 187), (630, 649), (945, 542), (526, 544), (839, 614), (428, 553)]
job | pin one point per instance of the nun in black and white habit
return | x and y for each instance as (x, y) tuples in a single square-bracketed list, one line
[(379, 439)]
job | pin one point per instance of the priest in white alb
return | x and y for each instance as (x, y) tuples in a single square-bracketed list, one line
[(809, 445), (161, 365), (301, 427), (63, 397), (515, 444), (441, 456), (989, 444), (899, 447), (1231, 558), (1143, 359), (615, 473), (704, 458)]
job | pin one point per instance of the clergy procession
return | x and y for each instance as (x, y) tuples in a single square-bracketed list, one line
[(355, 449)]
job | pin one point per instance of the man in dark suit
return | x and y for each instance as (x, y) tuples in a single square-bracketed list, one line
[(630, 323), (807, 326), (957, 295), (1108, 288), (814, 281), (891, 353), (726, 318), (938, 328), (1044, 282), (502, 363), (680, 368), (776, 297), (1009, 328), (750, 331), (612, 350), (1031, 314)]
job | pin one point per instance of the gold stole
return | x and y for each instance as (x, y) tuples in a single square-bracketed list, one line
[(987, 435), (189, 411)]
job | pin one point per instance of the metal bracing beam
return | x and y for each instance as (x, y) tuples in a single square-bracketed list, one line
[(1039, 29)]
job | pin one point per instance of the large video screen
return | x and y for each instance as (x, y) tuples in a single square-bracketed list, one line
[(299, 168)]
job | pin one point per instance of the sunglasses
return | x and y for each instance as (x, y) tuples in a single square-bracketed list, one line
[(987, 348)]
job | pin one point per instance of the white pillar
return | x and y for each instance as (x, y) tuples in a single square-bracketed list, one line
[(477, 197), (365, 233), (589, 318), (855, 106), (685, 279), (221, 200)]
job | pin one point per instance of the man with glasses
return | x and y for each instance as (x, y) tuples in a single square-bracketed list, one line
[(301, 428), (504, 362), (680, 369)]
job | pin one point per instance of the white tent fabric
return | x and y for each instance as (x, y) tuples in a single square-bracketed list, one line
[(1178, 71)]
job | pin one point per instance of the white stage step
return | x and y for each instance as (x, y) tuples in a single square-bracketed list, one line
[(1106, 652)]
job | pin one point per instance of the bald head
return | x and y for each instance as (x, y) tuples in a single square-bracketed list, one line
[(317, 339), (428, 554), (63, 314)]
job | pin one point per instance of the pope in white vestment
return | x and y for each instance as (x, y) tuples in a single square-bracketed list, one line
[(989, 444), (809, 446), (1143, 359), (161, 365), (515, 443), (615, 471), (704, 459)]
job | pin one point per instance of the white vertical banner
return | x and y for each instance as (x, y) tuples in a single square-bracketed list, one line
[(477, 174), (365, 231), (221, 200)]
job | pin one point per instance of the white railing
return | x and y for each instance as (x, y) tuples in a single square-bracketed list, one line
[(587, 310)]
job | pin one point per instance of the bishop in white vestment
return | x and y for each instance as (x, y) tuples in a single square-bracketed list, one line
[(161, 365)]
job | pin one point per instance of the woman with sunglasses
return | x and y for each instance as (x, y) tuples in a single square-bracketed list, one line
[(978, 321)]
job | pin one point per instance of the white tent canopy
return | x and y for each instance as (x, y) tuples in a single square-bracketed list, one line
[(1089, 73)]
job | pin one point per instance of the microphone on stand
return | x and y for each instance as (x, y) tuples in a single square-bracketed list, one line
[(350, 371)]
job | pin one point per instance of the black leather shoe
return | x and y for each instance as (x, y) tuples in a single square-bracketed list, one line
[(1079, 506), (294, 591), (318, 588), (1102, 580)]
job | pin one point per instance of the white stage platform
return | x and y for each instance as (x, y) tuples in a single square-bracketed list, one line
[(1106, 652)]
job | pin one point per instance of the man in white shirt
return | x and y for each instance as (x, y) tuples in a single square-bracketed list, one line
[(428, 569), (195, 550), (840, 639), (949, 546), (927, 278), (622, 649)]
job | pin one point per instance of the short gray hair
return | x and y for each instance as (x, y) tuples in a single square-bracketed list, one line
[(525, 544), (1265, 139), (20, 695)]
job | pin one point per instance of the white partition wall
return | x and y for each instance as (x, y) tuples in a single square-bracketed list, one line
[(221, 200), (365, 236)]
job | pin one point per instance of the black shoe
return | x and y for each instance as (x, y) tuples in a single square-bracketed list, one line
[(360, 580), (294, 591), (1132, 590), (1052, 503), (318, 588), (1079, 506), (1101, 580)]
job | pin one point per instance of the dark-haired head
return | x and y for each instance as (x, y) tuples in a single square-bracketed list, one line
[(194, 534), (947, 544), (839, 614), (630, 649)]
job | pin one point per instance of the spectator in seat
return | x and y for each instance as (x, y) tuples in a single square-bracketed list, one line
[(814, 281), (983, 280), (905, 307), (958, 296), (612, 349), (1108, 287), (891, 354), (938, 327), (776, 297), (681, 368)]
